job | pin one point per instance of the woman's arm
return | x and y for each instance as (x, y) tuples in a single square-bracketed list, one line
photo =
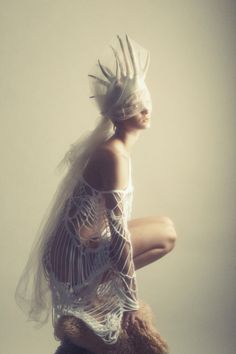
[(115, 177), (121, 252)]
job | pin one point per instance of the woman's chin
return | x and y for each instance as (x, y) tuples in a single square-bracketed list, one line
[(146, 124)]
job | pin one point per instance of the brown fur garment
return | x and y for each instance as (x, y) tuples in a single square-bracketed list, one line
[(139, 340)]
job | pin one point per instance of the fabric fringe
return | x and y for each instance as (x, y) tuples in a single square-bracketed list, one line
[(76, 336)]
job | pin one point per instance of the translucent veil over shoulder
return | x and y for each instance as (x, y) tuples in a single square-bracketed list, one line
[(33, 292), (118, 88)]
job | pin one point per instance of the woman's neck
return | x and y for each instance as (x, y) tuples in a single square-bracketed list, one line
[(128, 138)]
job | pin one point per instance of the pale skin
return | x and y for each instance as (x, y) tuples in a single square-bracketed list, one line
[(151, 237)]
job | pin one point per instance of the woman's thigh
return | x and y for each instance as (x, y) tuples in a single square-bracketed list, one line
[(151, 232)]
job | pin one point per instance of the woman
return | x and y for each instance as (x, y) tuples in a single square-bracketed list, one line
[(83, 264), (151, 237)]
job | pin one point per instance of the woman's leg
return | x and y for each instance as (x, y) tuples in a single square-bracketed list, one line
[(152, 238)]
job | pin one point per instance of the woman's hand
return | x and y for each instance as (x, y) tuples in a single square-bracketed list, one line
[(131, 317)]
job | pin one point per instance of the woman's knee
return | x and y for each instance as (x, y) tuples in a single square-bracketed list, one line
[(170, 232), (153, 232), (165, 219)]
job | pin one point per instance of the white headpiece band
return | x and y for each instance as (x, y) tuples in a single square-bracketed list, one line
[(117, 81)]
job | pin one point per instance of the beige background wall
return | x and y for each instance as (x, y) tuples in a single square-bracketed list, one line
[(183, 166)]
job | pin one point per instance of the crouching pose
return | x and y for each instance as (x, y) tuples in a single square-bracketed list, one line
[(84, 260)]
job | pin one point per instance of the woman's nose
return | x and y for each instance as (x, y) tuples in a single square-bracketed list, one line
[(145, 111)]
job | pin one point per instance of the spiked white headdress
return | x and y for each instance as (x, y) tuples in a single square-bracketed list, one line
[(117, 81)]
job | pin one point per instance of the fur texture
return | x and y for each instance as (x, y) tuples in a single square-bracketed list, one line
[(140, 339)]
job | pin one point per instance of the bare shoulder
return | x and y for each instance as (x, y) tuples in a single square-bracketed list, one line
[(107, 157), (110, 167)]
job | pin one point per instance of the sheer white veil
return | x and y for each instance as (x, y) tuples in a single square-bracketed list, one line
[(32, 292)]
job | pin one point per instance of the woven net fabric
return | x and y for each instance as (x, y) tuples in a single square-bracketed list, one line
[(88, 260)]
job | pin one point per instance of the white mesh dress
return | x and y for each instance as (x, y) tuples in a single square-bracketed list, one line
[(88, 259)]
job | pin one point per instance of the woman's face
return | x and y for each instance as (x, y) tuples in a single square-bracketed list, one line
[(140, 120), (142, 117), (142, 111), (138, 107)]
